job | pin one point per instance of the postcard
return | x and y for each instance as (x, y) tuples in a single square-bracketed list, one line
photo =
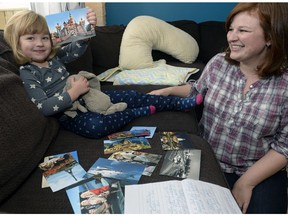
[(69, 26), (182, 163), (134, 143), (151, 129), (44, 181), (62, 170), (149, 160), (129, 134), (175, 140), (97, 196), (128, 173)]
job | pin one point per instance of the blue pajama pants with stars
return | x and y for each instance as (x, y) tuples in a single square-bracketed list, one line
[(95, 125)]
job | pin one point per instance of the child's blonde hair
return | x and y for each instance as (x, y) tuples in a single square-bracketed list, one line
[(21, 23)]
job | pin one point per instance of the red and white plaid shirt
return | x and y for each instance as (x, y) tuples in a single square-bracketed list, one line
[(241, 129)]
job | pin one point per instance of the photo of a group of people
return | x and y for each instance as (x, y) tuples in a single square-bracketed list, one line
[(97, 195)]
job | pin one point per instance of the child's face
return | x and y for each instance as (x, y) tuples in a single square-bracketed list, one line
[(36, 46)]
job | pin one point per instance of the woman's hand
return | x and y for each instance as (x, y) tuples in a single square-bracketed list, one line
[(163, 91), (180, 91), (78, 87), (242, 193), (91, 17)]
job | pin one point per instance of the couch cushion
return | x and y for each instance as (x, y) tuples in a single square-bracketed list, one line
[(146, 33), (84, 62), (106, 47), (6, 55), (212, 39), (25, 133)]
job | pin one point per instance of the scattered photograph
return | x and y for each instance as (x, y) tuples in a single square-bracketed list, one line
[(127, 173), (97, 195), (44, 181), (149, 160), (182, 164), (175, 140), (62, 170), (134, 143), (151, 130), (129, 134)]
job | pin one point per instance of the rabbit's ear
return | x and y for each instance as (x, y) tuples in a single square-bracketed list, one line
[(87, 75)]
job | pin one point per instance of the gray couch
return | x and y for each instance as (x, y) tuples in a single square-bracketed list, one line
[(27, 136)]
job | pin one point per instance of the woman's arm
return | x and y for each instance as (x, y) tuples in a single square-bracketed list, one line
[(180, 91), (268, 165)]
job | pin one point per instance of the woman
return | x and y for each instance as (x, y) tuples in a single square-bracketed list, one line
[(245, 116)]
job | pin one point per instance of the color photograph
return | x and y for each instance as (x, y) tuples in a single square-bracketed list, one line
[(135, 143), (69, 26), (150, 161), (128, 173), (62, 170), (97, 195)]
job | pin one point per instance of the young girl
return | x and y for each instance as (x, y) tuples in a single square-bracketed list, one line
[(44, 76)]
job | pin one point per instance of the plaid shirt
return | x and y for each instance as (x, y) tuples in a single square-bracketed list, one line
[(241, 129)]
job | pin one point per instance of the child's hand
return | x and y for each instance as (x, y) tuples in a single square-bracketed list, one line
[(78, 87), (91, 17)]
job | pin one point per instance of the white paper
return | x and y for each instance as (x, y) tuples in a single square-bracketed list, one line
[(179, 197)]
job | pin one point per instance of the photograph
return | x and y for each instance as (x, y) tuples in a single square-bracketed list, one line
[(175, 140), (97, 195), (128, 173), (69, 26), (150, 129), (134, 143), (62, 170), (182, 164), (149, 160)]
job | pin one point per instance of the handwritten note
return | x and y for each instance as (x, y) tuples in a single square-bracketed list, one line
[(179, 197)]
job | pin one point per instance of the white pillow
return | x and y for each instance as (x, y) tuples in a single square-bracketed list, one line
[(161, 74), (145, 33)]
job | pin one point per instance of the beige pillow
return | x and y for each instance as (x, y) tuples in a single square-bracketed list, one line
[(145, 33)]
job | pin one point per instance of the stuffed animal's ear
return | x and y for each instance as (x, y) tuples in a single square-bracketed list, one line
[(87, 75)]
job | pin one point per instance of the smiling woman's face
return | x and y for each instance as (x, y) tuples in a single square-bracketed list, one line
[(246, 39)]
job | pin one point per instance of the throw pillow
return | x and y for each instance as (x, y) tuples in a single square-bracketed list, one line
[(145, 33)]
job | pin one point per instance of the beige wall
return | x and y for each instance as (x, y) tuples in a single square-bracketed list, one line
[(5, 15), (100, 11), (99, 8)]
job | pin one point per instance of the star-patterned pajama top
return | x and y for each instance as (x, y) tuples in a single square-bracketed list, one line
[(45, 85)]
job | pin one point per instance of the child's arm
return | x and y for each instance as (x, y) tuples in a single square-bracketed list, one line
[(76, 49), (72, 51), (48, 101)]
